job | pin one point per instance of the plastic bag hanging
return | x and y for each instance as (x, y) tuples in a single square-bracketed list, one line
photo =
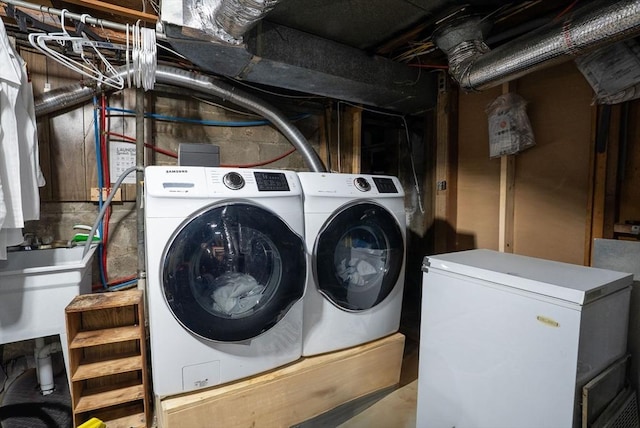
[(509, 127)]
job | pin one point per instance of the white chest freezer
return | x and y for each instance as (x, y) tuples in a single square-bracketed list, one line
[(509, 341)]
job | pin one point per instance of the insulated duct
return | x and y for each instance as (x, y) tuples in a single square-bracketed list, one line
[(587, 28), (77, 94), (236, 17), (226, 20)]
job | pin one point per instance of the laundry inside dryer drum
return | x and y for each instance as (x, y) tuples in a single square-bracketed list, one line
[(359, 257), (233, 272)]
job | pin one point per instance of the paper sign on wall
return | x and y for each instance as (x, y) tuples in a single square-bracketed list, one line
[(122, 156)]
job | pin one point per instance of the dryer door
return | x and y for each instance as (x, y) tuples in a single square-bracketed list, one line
[(358, 256), (233, 271)]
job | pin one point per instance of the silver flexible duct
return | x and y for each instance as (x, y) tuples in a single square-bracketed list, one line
[(60, 98), (77, 94), (586, 29)]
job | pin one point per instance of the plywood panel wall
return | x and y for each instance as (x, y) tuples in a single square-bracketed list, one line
[(551, 178), (478, 176)]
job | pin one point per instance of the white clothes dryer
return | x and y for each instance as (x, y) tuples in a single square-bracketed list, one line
[(355, 234), (226, 271)]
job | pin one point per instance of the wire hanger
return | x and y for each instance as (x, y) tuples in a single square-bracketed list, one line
[(87, 67)]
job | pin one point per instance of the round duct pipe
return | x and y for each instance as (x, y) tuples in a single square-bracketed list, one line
[(76, 94), (589, 27)]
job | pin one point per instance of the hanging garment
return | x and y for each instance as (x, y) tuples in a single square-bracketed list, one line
[(20, 173), (30, 174), (10, 80)]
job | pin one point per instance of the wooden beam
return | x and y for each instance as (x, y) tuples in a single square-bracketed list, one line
[(507, 204), (446, 175), (611, 184), (507, 192), (325, 126), (627, 229), (606, 145), (121, 11), (350, 139), (53, 20), (588, 236)]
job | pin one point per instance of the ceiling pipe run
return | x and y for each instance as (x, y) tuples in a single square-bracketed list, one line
[(587, 28), (77, 94)]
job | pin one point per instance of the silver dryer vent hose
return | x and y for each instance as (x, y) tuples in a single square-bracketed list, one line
[(77, 94)]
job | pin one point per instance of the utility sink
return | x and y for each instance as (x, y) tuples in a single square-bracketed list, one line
[(36, 286)]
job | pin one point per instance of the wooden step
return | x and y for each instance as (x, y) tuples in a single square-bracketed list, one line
[(130, 415), (91, 302), (115, 365), (104, 336), (137, 420), (103, 397)]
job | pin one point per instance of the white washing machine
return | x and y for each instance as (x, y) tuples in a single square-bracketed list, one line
[(355, 234), (226, 270)]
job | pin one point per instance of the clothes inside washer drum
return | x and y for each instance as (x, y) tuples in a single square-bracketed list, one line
[(235, 293)]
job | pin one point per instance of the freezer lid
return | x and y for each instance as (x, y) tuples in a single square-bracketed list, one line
[(573, 283)]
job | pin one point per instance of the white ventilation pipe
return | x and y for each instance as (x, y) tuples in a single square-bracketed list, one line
[(595, 25)]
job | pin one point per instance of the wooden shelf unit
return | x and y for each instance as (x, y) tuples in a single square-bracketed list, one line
[(107, 359)]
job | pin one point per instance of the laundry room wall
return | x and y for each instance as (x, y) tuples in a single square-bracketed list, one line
[(68, 154), (552, 180)]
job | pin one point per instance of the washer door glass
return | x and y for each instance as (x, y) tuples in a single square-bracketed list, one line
[(233, 271), (358, 256)]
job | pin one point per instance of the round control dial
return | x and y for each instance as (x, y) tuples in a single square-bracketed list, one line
[(362, 184), (233, 181)]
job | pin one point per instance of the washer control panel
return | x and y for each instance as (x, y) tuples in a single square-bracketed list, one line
[(233, 180), (385, 185), (362, 184), (271, 181)]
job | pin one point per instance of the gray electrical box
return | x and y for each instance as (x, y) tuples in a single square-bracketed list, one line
[(198, 154)]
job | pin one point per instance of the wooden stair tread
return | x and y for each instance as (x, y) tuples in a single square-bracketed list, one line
[(90, 302), (105, 336), (110, 397), (93, 369), (137, 420)]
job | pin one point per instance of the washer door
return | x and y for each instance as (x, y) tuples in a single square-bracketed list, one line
[(233, 271), (358, 256)]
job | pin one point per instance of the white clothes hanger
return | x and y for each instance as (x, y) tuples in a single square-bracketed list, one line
[(87, 67)]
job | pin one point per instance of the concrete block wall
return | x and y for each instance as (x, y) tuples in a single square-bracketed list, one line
[(238, 145)]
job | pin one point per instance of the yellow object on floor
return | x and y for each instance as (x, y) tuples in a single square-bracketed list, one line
[(93, 423)]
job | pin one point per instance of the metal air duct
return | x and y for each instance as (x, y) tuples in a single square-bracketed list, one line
[(77, 94), (237, 17), (587, 28)]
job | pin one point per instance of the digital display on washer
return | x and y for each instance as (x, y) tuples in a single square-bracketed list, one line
[(271, 182), (385, 185)]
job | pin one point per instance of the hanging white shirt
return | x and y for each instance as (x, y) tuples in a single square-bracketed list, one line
[(30, 174), (10, 81), (20, 173)]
